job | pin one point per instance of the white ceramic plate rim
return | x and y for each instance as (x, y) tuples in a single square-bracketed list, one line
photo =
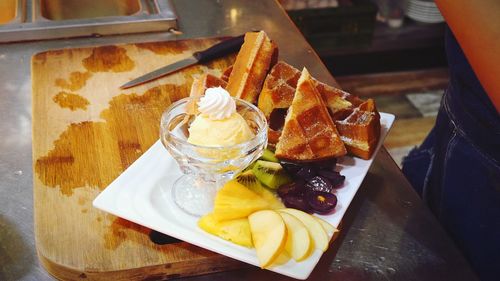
[(141, 195)]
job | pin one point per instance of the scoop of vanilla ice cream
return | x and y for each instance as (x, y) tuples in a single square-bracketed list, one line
[(218, 123)]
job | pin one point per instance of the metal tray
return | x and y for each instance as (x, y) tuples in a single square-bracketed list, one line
[(25, 20), (11, 11)]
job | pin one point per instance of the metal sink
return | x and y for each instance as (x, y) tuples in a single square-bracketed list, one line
[(87, 9), (22, 20), (11, 11)]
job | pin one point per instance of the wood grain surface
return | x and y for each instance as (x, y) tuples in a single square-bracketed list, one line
[(86, 131)]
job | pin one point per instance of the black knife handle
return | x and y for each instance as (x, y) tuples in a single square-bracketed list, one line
[(218, 50)]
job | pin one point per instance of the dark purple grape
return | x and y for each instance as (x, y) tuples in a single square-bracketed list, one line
[(335, 178), (297, 202), (331, 175), (319, 183), (292, 188), (306, 172), (328, 164), (338, 182), (291, 167), (321, 202)]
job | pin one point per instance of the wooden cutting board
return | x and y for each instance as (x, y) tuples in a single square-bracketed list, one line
[(86, 131)]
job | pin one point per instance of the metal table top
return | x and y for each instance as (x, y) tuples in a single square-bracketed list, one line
[(387, 233)]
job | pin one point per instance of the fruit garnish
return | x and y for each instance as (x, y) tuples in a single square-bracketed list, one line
[(268, 155), (298, 240), (249, 180), (317, 232), (328, 164), (294, 188), (270, 174), (291, 167), (236, 231), (319, 183), (335, 178), (330, 229), (310, 178), (306, 173), (321, 202), (298, 202), (234, 201), (268, 235)]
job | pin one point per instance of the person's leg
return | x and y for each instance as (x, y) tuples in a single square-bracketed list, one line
[(469, 205)]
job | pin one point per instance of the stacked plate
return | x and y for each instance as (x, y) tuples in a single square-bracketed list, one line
[(424, 11)]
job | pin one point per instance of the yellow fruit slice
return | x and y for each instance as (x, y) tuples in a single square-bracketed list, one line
[(317, 232), (298, 241), (249, 180), (330, 229), (281, 259), (236, 231), (268, 235), (235, 201)]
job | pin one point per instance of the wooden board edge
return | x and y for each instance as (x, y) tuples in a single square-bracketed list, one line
[(214, 264)]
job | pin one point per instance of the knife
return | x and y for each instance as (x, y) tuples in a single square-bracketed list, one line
[(216, 51)]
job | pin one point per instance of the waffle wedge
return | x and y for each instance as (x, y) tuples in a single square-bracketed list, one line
[(309, 133), (279, 88), (360, 132), (226, 73), (359, 128), (256, 56)]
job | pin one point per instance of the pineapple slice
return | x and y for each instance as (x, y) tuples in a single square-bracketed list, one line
[(236, 231), (250, 181), (235, 201)]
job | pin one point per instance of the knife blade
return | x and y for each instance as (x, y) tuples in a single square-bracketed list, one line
[(216, 51)]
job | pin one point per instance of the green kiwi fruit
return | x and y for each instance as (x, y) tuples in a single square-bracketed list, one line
[(249, 180), (268, 155), (270, 174), (249, 167)]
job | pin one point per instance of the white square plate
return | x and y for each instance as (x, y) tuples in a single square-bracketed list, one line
[(141, 194)]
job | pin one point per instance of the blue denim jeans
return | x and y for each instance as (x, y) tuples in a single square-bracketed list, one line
[(456, 170)]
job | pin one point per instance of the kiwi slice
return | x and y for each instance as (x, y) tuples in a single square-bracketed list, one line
[(249, 167), (248, 179), (270, 174), (268, 155)]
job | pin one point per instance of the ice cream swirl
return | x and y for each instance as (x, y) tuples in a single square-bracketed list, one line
[(217, 104)]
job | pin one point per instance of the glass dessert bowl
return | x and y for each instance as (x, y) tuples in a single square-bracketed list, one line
[(207, 167)]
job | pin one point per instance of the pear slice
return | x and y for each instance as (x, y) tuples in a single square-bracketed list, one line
[(268, 235), (298, 241), (330, 229), (281, 259), (317, 232)]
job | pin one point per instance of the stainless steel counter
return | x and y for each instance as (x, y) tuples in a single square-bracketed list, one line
[(387, 233)]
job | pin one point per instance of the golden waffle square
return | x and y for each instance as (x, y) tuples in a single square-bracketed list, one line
[(359, 128), (309, 133), (256, 56)]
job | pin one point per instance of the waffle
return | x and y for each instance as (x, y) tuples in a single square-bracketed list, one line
[(359, 128), (199, 86), (277, 93), (279, 88), (226, 73), (309, 133), (256, 56)]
